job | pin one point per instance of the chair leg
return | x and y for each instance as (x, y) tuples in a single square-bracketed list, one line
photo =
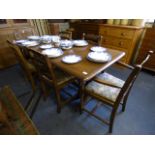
[(112, 117), (31, 80), (43, 87), (35, 105), (124, 104), (58, 101)]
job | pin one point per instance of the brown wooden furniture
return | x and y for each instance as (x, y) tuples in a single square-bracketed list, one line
[(85, 70), (148, 43), (27, 67), (80, 27), (52, 76), (66, 35), (112, 91), (7, 29), (14, 119), (124, 38), (92, 38)]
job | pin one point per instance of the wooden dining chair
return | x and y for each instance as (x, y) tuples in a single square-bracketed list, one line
[(27, 66), (112, 91), (50, 75), (92, 38), (13, 118), (66, 35)]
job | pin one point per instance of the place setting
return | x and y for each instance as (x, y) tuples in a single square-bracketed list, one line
[(80, 43), (99, 54), (52, 52), (71, 59)]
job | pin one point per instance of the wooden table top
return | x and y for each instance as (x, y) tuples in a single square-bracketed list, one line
[(85, 69)]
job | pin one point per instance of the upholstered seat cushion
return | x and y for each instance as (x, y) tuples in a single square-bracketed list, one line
[(110, 79), (108, 92)]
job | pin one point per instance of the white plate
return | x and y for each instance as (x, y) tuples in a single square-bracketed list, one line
[(80, 43), (30, 43), (71, 59), (97, 49), (20, 41), (53, 52), (47, 46), (66, 48), (99, 56), (33, 37)]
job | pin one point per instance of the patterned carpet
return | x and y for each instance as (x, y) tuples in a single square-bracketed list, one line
[(139, 117)]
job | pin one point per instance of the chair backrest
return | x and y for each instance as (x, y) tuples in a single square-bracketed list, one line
[(43, 66), (66, 35), (18, 54), (92, 38), (131, 79)]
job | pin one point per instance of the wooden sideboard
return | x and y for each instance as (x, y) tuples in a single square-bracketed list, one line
[(148, 43), (125, 38), (7, 29)]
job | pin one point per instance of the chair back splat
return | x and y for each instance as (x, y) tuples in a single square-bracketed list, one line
[(92, 38)]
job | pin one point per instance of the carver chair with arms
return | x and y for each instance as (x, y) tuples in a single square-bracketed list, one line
[(112, 91)]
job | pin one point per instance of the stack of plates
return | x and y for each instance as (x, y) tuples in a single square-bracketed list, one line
[(80, 43), (100, 57), (30, 43), (53, 52), (46, 39), (97, 49), (37, 38), (20, 41), (71, 59), (66, 44)]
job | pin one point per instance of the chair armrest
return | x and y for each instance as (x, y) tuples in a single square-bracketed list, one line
[(96, 79), (125, 65)]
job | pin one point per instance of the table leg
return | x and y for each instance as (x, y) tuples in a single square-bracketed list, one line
[(82, 84)]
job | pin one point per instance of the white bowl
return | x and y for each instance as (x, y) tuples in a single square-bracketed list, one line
[(53, 52), (99, 56), (98, 49)]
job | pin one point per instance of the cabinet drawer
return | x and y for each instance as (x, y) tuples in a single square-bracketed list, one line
[(117, 32), (121, 43), (117, 43)]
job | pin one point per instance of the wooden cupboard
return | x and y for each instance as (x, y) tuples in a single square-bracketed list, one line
[(7, 29)]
